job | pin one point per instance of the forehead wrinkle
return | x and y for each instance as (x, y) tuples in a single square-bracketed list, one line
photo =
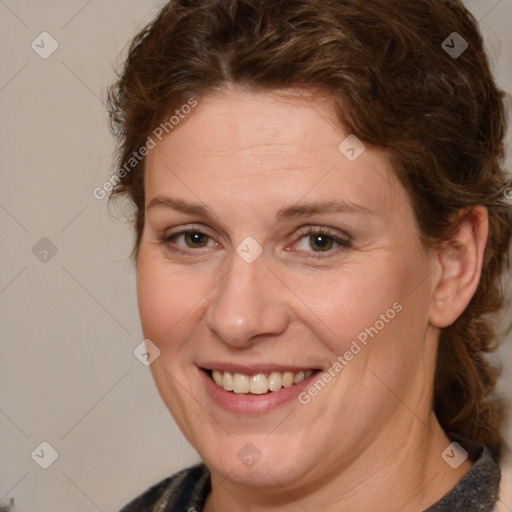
[(264, 150)]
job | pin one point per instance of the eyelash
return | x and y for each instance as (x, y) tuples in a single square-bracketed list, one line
[(343, 243), (168, 241)]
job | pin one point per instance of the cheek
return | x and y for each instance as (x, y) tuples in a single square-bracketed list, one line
[(354, 302), (375, 316), (168, 300)]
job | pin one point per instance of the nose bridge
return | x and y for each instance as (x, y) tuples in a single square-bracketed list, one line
[(245, 306)]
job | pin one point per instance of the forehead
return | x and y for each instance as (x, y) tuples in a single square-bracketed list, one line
[(241, 145)]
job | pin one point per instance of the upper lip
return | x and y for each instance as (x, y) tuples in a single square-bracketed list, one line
[(253, 369)]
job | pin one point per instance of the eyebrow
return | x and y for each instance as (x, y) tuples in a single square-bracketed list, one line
[(336, 206), (298, 210), (180, 206)]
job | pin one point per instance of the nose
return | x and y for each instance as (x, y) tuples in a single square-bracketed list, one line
[(249, 304)]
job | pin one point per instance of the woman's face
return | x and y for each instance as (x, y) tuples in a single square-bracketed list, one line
[(268, 248)]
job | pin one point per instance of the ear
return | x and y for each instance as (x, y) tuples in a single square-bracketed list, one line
[(460, 261)]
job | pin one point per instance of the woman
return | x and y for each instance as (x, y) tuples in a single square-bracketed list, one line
[(321, 229)]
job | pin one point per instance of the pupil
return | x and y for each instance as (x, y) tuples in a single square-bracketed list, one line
[(321, 241), (196, 239)]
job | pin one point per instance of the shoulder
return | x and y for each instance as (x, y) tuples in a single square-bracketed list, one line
[(478, 490), (182, 491)]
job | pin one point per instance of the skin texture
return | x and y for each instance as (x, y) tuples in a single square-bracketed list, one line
[(369, 440)]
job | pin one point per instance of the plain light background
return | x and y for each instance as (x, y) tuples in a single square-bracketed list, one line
[(69, 325)]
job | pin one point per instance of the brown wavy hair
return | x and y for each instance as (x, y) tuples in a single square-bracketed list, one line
[(441, 118)]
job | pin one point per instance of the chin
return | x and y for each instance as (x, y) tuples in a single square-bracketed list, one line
[(257, 462)]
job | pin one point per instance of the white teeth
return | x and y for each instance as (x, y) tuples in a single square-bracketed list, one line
[(217, 377), (227, 381), (260, 383), (299, 377), (240, 383), (287, 379), (275, 381)]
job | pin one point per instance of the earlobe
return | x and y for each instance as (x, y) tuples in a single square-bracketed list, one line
[(460, 262)]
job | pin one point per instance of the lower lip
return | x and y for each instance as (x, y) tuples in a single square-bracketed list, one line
[(249, 403)]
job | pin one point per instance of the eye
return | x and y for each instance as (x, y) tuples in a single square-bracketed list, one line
[(320, 240), (194, 239), (187, 241)]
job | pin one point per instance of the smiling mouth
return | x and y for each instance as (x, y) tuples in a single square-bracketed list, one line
[(260, 383)]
